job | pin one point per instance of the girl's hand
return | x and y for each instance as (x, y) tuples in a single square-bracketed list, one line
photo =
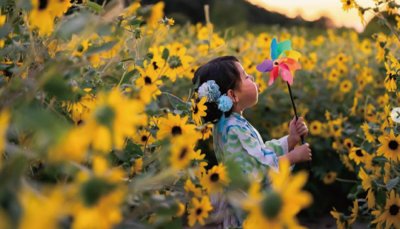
[(296, 130), (300, 154)]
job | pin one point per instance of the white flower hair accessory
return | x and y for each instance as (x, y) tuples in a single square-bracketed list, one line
[(210, 89)]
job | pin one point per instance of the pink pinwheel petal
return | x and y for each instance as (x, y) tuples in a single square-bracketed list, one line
[(274, 74), (292, 64), (265, 66), (285, 73)]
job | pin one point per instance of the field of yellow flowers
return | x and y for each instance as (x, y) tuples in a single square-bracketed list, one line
[(100, 127)]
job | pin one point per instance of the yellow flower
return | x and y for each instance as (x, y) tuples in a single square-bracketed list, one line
[(157, 13), (182, 152), (174, 126), (148, 82), (366, 181), (2, 19), (73, 146), (42, 211), (390, 215), (341, 221), (329, 177), (279, 206), (370, 137), (389, 146), (215, 179), (113, 119), (347, 4), (43, 13), (206, 131), (315, 127), (359, 155), (348, 143), (191, 188), (143, 138), (199, 210), (199, 110), (4, 120), (80, 110), (345, 86), (137, 166)]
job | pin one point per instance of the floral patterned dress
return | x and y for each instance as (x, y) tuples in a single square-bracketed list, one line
[(235, 138)]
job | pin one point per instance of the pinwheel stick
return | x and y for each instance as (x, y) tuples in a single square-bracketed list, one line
[(294, 108)]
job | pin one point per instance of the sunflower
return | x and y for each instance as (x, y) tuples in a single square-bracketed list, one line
[(343, 221), (191, 188), (143, 137), (370, 137), (390, 146), (347, 4), (215, 179), (149, 82), (329, 177), (175, 126), (345, 86), (278, 207), (390, 215), (113, 119), (137, 166), (366, 181), (182, 152), (348, 143), (206, 131), (43, 13), (358, 155), (199, 110), (4, 120), (315, 127), (199, 210), (335, 127)]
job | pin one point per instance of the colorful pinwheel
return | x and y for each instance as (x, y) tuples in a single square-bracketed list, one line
[(284, 61)]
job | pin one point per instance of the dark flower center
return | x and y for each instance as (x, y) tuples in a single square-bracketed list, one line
[(144, 138), (174, 62), (359, 153), (393, 145), (394, 209), (43, 4), (155, 66), (183, 153), (195, 109), (272, 205), (214, 177), (176, 130), (199, 211), (147, 80)]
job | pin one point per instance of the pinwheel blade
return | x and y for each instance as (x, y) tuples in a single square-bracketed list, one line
[(265, 66)]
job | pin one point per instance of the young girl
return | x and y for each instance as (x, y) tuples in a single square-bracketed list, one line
[(229, 91)]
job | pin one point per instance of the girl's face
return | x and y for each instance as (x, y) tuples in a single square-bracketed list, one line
[(247, 91)]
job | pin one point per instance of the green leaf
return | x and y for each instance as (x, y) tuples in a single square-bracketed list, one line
[(392, 183), (5, 30), (72, 25), (165, 54), (57, 86), (101, 48), (93, 189), (94, 6)]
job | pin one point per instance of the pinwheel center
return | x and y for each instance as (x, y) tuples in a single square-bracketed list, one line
[(276, 63)]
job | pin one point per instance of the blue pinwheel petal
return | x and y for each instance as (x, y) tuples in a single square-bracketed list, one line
[(274, 49), (265, 66), (284, 46)]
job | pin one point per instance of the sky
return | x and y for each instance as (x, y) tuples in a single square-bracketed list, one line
[(314, 9)]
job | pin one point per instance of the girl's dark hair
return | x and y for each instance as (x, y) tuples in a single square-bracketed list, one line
[(225, 73)]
